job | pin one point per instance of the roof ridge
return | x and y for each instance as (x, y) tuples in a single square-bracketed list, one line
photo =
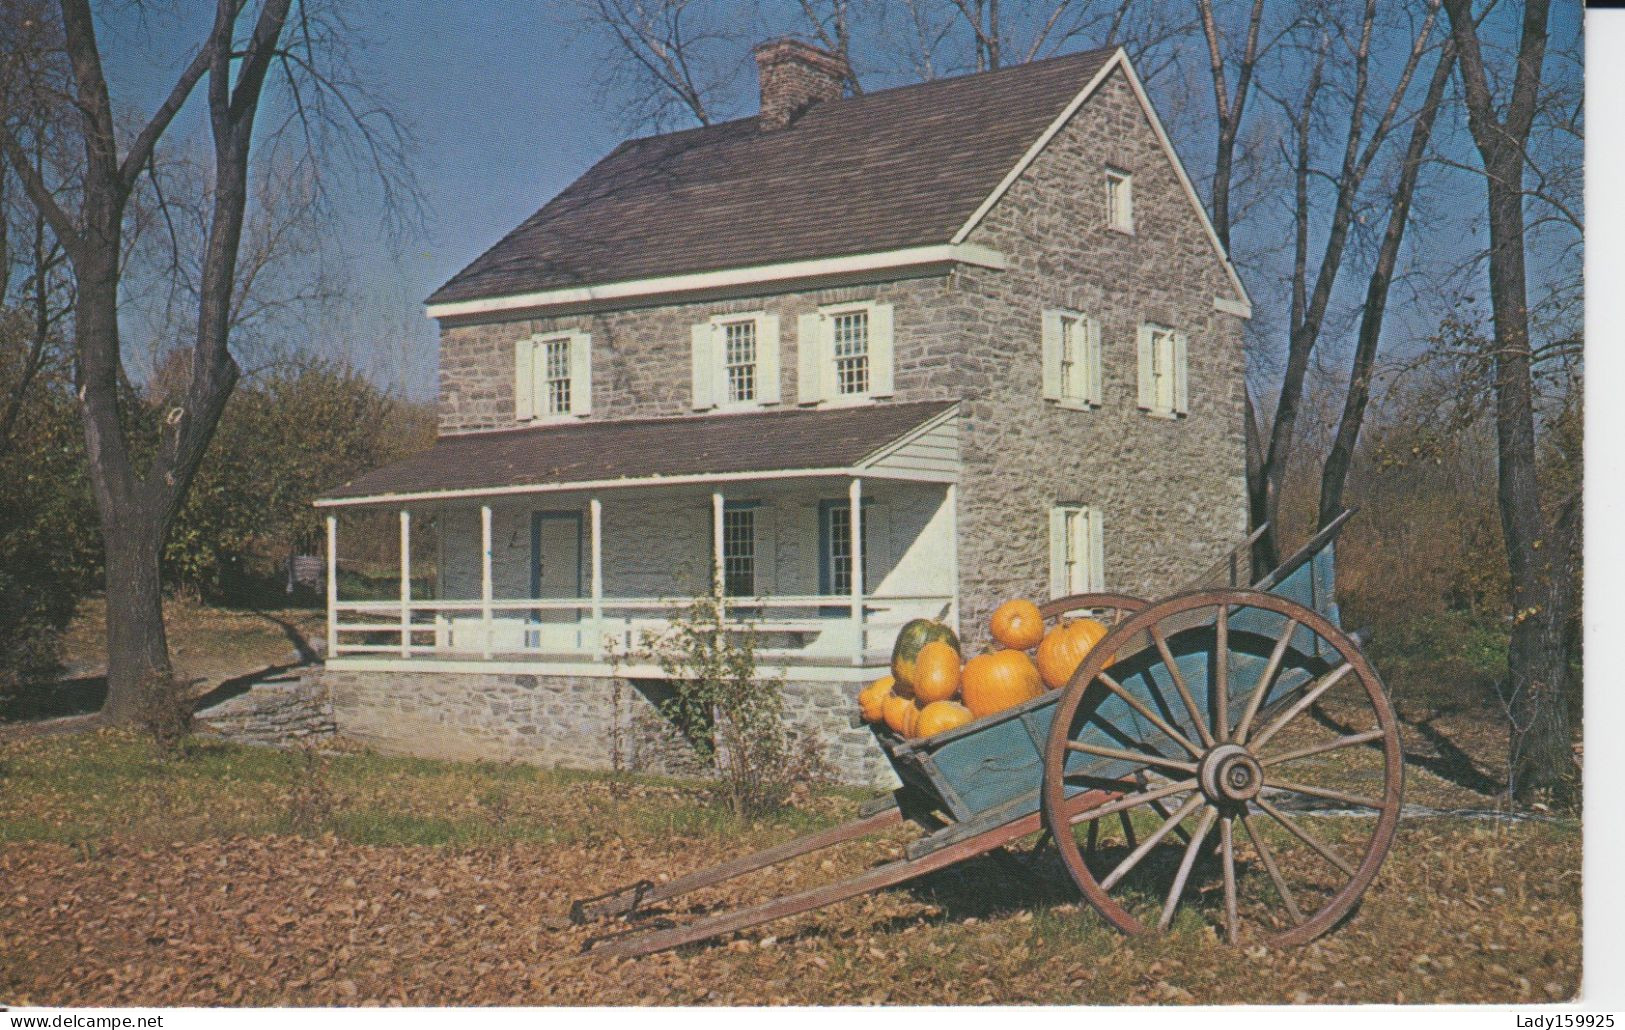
[(643, 420)]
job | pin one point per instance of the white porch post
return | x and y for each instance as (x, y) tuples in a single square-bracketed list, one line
[(855, 525), (595, 509), (406, 583), (332, 585), (717, 578), (487, 626), (952, 503)]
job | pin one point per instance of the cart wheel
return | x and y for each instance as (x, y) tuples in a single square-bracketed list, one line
[(1251, 743), (1108, 608)]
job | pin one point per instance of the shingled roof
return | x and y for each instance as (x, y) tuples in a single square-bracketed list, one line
[(644, 449), (891, 169)]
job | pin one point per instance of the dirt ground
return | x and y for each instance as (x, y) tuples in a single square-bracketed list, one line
[(228, 876)]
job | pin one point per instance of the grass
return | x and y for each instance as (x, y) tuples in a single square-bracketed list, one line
[(250, 867)]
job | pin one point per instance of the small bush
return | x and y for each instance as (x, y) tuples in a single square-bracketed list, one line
[(731, 718)]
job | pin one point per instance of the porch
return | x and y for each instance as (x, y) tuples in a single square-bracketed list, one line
[(569, 575)]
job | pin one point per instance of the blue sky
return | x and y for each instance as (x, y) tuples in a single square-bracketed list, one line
[(502, 102)]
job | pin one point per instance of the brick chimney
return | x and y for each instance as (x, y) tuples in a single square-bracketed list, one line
[(795, 76)]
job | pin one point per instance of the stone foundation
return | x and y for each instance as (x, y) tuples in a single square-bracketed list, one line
[(578, 722), (276, 713)]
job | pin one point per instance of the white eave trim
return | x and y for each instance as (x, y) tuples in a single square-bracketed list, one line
[(1117, 60), (1239, 308), (816, 268), (621, 484)]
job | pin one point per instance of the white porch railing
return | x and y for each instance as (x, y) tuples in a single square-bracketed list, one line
[(815, 629)]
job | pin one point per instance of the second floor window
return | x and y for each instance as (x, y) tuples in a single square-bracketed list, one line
[(553, 376), (851, 338), (844, 353), (556, 377), (1071, 358), (739, 359), (1163, 361), (735, 361)]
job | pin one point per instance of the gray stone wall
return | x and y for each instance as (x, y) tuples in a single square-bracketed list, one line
[(1172, 491), (640, 356), (276, 713), (571, 722)]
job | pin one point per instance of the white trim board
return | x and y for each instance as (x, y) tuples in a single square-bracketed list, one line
[(588, 669), (1117, 60), (908, 257), (700, 479)]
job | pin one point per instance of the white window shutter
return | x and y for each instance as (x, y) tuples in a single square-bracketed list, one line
[(1092, 391), (1182, 400), (1051, 336), (767, 359), (1097, 550), (809, 359), (877, 552), (580, 374), (1148, 390), (1057, 553), (880, 350), (702, 364), (524, 380), (766, 552)]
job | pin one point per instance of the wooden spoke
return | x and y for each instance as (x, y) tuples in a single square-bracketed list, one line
[(1326, 683), (1128, 829), (1352, 740), (1131, 756), (1179, 684), (1221, 674), (1185, 865), (1127, 865), (1262, 690), (1093, 836), (1265, 857), (1304, 835), (1156, 720), (1227, 847), (1324, 792), (1132, 801)]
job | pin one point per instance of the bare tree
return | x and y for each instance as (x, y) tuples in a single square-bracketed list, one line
[(664, 58), (1312, 293), (139, 494), (1542, 589)]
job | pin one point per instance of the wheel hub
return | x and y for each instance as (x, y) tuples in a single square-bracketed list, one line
[(1230, 774)]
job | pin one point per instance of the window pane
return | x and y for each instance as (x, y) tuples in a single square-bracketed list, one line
[(1071, 354), (739, 552), (556, 369), (739, 357), (851, 348)]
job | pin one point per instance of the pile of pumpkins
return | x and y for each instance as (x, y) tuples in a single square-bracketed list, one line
[(932, 690)]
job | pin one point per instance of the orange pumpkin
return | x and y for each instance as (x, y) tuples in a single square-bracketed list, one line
[(872, 699), (936, 673), (1064, 649), (1017, 624), (901, 715), (941, 716), (1003, 679)]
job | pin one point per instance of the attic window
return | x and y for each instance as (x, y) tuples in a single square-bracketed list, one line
[(1120, 200)]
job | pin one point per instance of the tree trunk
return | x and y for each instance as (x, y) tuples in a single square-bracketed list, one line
[(137, 649)]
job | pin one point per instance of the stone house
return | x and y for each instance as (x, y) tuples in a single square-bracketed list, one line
[(973, 338)]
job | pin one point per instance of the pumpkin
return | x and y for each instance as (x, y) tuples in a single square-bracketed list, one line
[(1064, 649), (940, 716), (994, 682), (1018, 625), (936, 673), (915, 634), (901, 715), (872, 699)]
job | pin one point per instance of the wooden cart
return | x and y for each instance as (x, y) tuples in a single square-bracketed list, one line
[(1200, 758)]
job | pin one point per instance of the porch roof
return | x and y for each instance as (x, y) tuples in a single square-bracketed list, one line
[(652, 451)]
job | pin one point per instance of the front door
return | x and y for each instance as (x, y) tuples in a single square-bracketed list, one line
[(555, 572)]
